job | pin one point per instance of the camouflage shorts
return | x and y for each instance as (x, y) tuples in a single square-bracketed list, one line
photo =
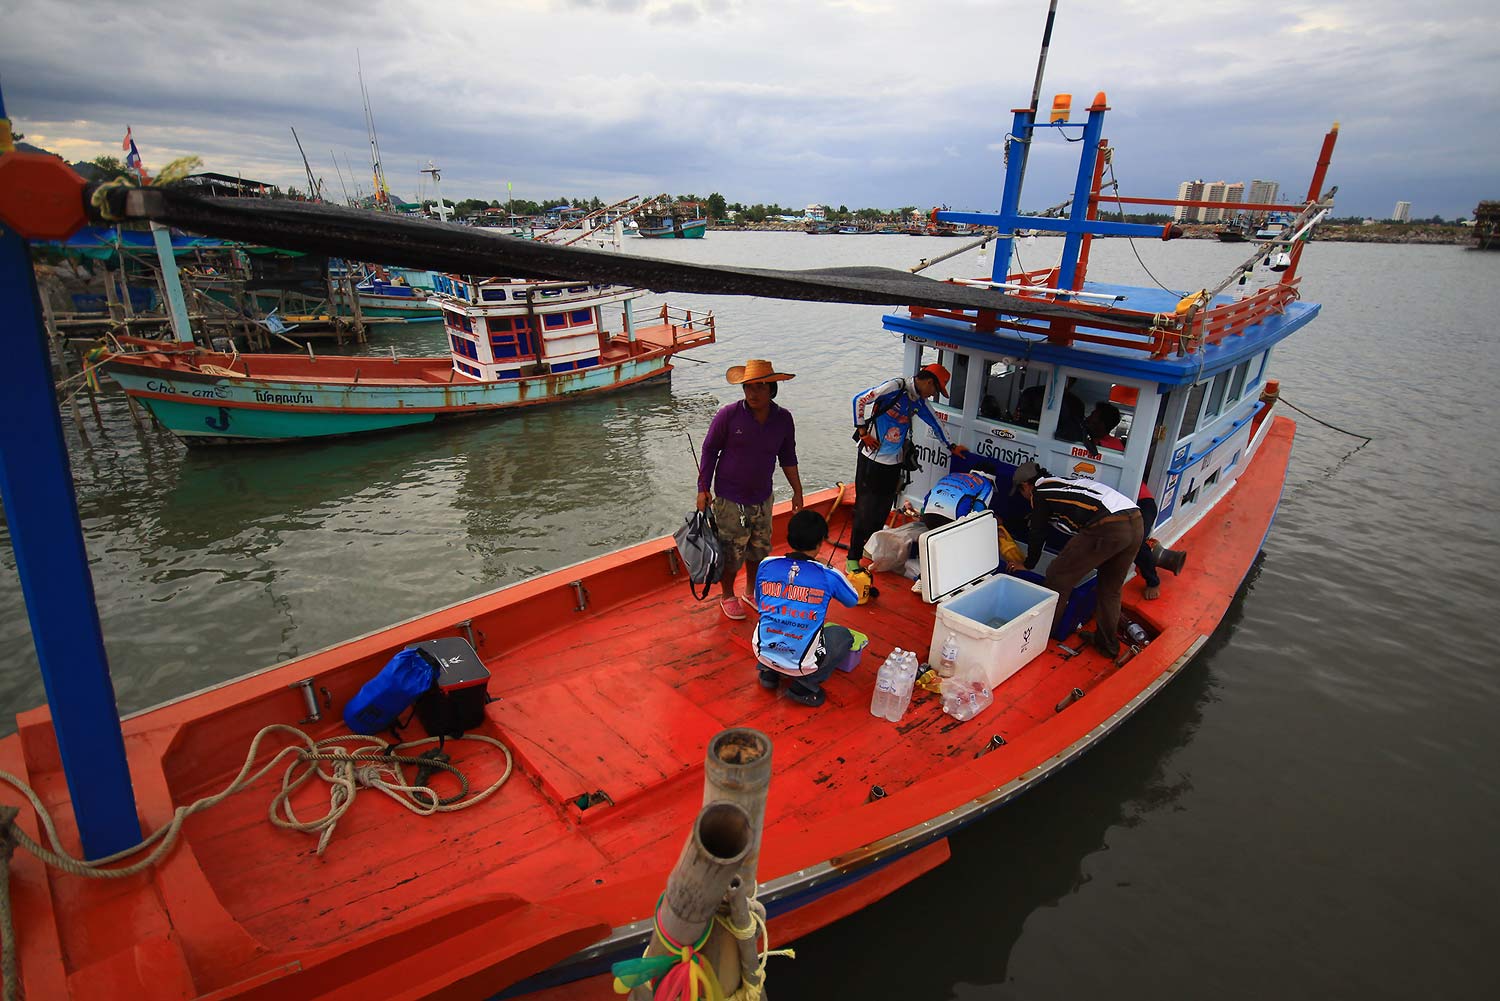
[(744, 530)]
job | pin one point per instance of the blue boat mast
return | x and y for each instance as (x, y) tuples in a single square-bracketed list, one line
[(1077, 224), (41, 508)]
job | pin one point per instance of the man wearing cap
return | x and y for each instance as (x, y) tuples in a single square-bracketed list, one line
[(745, 441), (882, 422), (1105, 528)]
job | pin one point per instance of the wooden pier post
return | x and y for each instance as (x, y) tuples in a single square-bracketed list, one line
[(354, 310)]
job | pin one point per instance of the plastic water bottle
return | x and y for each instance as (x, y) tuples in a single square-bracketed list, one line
[(906, 676), (884, 698), (948, 659), (1133, 632)]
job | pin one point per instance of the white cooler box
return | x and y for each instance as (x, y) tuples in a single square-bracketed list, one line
[(1001, 621)]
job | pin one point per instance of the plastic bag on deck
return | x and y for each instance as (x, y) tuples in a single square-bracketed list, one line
[(889, 547)]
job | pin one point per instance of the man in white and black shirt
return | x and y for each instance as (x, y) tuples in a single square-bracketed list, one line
[(1106, 530)]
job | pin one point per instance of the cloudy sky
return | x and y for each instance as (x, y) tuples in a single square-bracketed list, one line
[(853, 102)]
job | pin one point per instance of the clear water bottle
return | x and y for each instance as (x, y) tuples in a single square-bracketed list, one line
[(884, 698), (952, 695), (947, 663), (906, 676)]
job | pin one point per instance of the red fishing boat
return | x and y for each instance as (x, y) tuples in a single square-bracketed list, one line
[(607, 680)]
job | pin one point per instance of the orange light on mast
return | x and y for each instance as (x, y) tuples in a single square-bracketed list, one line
[(1061, 105)]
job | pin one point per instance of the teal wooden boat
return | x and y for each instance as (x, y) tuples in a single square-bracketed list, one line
[(512, 343)]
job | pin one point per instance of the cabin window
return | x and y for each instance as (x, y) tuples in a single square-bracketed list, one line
[(1101, 410), (1214, 478), (464, 347), (554, 320), (493, 295), (1216, 395), (1194, 407), (467, 369), (498, 323), (581, 317), (1237, 383), (1013, 393), (958, 379), (1191, 496)]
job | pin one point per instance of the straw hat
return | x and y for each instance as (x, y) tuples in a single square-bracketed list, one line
[(756, 370)]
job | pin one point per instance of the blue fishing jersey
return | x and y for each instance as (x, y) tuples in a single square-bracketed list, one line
[(959, 494), (892, 405), (792, 595)]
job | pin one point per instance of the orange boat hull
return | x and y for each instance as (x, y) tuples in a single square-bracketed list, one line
[(531, 889)]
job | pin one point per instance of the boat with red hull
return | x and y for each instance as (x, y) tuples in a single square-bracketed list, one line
[(607, 681)]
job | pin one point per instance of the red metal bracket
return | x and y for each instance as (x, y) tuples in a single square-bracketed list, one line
[(41, 197)]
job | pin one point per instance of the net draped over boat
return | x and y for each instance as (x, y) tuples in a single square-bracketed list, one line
[(337, 231)]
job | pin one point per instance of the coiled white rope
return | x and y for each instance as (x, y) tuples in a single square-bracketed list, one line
[(370, 762)]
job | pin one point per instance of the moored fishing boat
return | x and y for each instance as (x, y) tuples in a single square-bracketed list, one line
[(607, 680), (684, 221), (385, 297), (512, 343)]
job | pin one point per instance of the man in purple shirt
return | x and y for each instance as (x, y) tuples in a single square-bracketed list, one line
[(745, 441)]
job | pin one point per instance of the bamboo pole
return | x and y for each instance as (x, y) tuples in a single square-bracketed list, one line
[(737, 769), (710, 860)]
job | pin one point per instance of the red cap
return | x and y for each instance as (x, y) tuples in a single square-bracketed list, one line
[(939, 373)]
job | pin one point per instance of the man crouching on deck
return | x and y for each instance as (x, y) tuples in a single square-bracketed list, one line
[(792, 594)]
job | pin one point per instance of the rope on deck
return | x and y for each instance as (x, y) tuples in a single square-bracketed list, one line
[(371, 763)]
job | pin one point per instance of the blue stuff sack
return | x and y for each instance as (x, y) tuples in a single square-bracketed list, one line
[(383, 699)]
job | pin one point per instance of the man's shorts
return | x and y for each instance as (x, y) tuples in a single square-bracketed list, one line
[(744, 530)]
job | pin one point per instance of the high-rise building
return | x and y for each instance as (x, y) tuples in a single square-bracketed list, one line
[(1402, 213), (1188, 191), (1222, 191), (1263, 192)]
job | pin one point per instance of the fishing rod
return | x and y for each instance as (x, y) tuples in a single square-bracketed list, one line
[(1036, 92)]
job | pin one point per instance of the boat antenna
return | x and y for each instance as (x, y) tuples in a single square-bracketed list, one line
[(314, 189), (1036, 91), (342, 185), (382, 193)]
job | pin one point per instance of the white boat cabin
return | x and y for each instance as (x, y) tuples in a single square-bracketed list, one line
[(1185, 422), (506, 328)]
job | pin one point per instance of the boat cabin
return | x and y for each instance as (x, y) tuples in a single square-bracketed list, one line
[(1014, 396), (504, 328)]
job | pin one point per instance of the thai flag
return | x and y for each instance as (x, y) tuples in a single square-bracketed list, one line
[(133, 157)]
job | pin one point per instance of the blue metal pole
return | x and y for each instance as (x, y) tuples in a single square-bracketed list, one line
[(1092, 130), (176, 305), (1010, 200), (42, 511)]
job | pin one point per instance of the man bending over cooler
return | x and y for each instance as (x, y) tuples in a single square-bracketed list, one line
[(792, 593)]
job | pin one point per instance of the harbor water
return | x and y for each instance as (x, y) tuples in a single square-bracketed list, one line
[(1305, 812)]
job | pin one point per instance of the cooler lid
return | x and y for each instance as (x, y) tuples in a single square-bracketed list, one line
[(958, 554)]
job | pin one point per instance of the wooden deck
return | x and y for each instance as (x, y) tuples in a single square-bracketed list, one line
[(618, 699)]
